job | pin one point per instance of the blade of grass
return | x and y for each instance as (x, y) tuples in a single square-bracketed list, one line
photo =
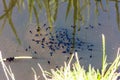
[(96, 11), (20, 5), (8, 72), (75, 11), (117, 14), (39, 4), (36, 15), (48, 12), (55, 10), (114, 66), (35, 74), (10, 21), (42, 71), (7, 10), (68, 8), (104, 65), (3, 25), (14, 30), (3, 66), (30, 8)]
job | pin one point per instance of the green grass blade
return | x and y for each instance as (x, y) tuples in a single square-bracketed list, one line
[(14, 30), (79, 15), (39, 4), (30, 8), (48, 12), (117, 14), (104, 65), (7, 10), (36, 15), (96, 11), (55, 10), (68, 8), (3, 25), (3, 15), (20, 4), (114, 66), (10, 21), (75, 11)]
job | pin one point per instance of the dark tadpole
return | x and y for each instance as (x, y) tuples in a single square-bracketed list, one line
[(35, 52), (10, 59), (48, 28), (91, 45), (79, 29), (64, 52), (40, 34), (90, 49), (86, 27), (48, 62), (80, 58), (57, 66), (29, 47), (37, 41), (90, 56), (99, 24), (38, 29), (73, 26), (36, 35), (91, 26), (30, 31), (44, 25), (67, 58), (26, 49), (43, 46), (33, 39), (43, 39), (51, 53)]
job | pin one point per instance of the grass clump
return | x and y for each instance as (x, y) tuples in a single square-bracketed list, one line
[(77, 72)]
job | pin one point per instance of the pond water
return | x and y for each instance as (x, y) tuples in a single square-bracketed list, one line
[(53, 48)]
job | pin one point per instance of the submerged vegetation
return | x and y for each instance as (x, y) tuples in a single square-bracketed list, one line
[(35, 7)]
